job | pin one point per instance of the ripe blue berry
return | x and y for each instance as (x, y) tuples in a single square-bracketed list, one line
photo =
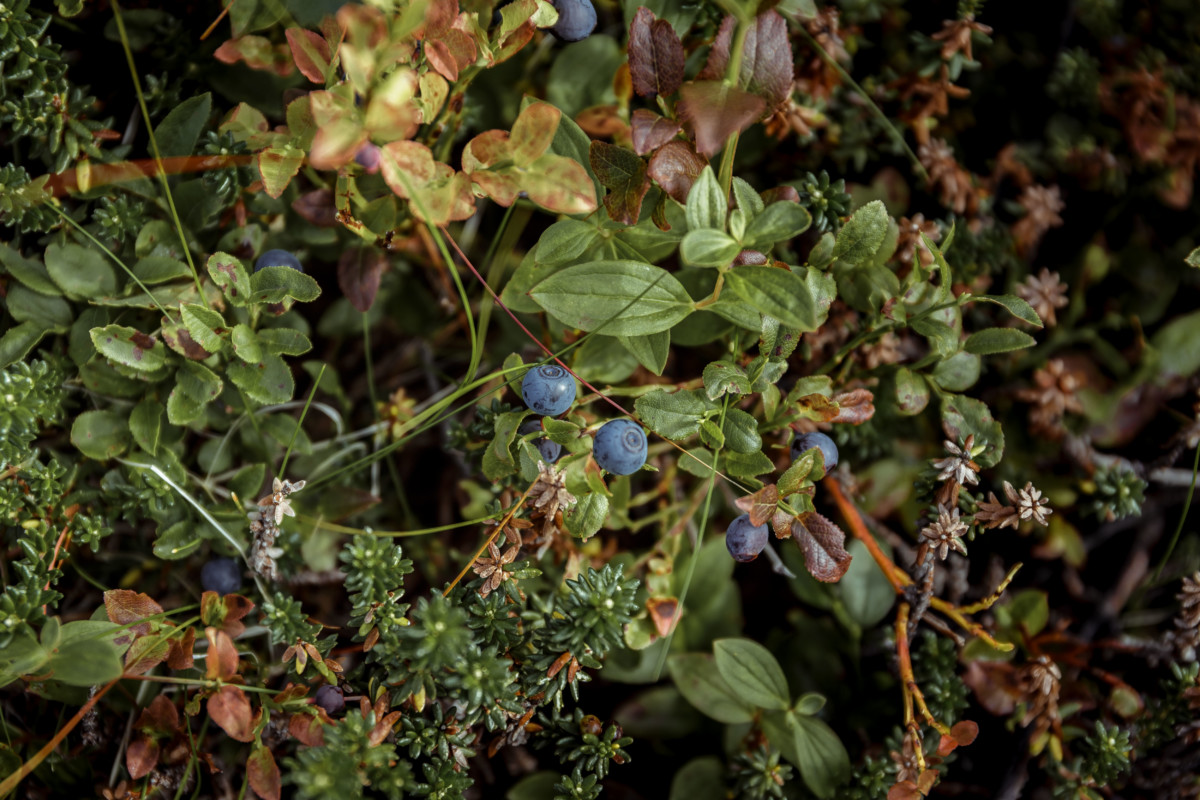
[(745, 541), (550, 451), (221, 575), (807, 441), (331, 699), (278, 258), (576, 20), (620, 447), (548, 390)]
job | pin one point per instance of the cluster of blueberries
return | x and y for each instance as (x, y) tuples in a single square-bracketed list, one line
[(549, 390), (746, 541)]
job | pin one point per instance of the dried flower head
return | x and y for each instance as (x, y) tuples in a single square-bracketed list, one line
[(264, 525), (1028, 503), (952, 181), (945, 533), (910, 243), (548, 498), (958, 466), (1042, 206), (955, 36), (1052, 396), (1189, 601), (491, 567), (1040, 681), (1045, 292)]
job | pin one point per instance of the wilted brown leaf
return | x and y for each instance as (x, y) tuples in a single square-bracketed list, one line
[(656, 56), (675, 168), (624, 175), (141, 757), (662, 613), (307, 729), (716, 111), (817, 407), (161, 716), (263, 773), (823, 545), (603, 122), (767, 66), (146, 653), (359, 271), (452, 51), (650, 131), (179, 655), (781, 523), (124, 606), (761, 505), (854, 407), (222, 660), (961, 735), (230, 708)]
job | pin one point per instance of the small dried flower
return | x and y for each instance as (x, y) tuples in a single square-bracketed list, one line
[(1042, 205), (1189, 601), (993, 514), (959, 467), (1045, 292), (908, 768), (1028, 503), (952, 181), (1040, 681), (945, 533), (910, 243), (491, 567), (1052, 396), (791, 117), (549, 498), (955, 36)]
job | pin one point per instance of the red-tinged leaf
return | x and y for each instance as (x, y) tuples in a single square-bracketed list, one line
[(767, 67), (532, 133), (236, 608), (716, 111), (662, 613), (624, 175), (393, 113), (179, 340), (486, 149), (762, 505), (781, 523), (146, 653), (451, 52), (854, 407), (263, 773), (258, 53), (140, 757), (310, 51), (359, 271), (675, 168), (964, 732), (995, 686), (339, 133), (317, 208), (439, 15), (383, 727), (778, 193), (307, 729), (230, 708), (513, 43), (406, 166), (160, 717), (277, 166), (603, 122), (817, 407), (905, 790), (222, 660), (179, 656), (656, 56), (926, 780), (124, 606), (560, 184), (650, 131), (823, 545)]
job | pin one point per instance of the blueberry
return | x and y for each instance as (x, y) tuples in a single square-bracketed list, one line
[(548, 390), (745, 541), (278, 258), (576, 20), (550, 451), (221, 575), (807, 441), (620, 447), (331, 699)]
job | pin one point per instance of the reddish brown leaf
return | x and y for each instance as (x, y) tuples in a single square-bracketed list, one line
[(662, 613), (817, 407), (450, 52), (359, 271), (761, 505), (258, 53), (823, 545), (141, 757), (160, 717), (995, 685), (675, 168), (307, 729), (310, 52), (655, 55), (382, 728), (905, 790), (124, 606), (650, 131), (964, 732), (716, 111), (767, 66), (751, 258), (317, 208), (602, 122), (788, 193), (533, 132), (146, 653), (180, 654), (624, 175), (222, 659), (854, 407), (230, 708), (781, 523), (263, 773)]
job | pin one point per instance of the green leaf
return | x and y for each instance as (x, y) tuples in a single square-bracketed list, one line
[(25, 305), (798, 475), (863, 235), (81, 273), (706, 204), (958, 372), (283, 341), (721, 377), (700, 682), (743, 465), (129, 347), (19, 340), (1015, 306), (708, 248), (912, 392), (628, 298), (269, 381), (177, 541), (205, 326), (777, 340), (100, 434), (650, 351), (29, 272), (145, 423), (819, 754), (741, 432), (962, 416), (228, 273), (538, 786), (248, 480), (85, 662), (588, 515), (780, 221), (699, 779), (1193, 258), (245, 343), (1178, 345), (748, 200), (673, 415), (277, 166), (195, 387), (565, 241), (505, 427), (697, 461), (866, 593), (942, 338), (752, 672), (276, 284), (160, 269), (809, 703), (997, 340), (23, 655), (780, 293), (180, 129)]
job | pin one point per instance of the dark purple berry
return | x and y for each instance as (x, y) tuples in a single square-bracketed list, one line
[(548, 390), (278, 258), (331, 699), (745, 541), (807, 441), (576, 20), (620, 447), (549, 451), (221, 575)]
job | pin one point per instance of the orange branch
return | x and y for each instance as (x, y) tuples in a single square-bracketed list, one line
[(896, 576), (507, 518)]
